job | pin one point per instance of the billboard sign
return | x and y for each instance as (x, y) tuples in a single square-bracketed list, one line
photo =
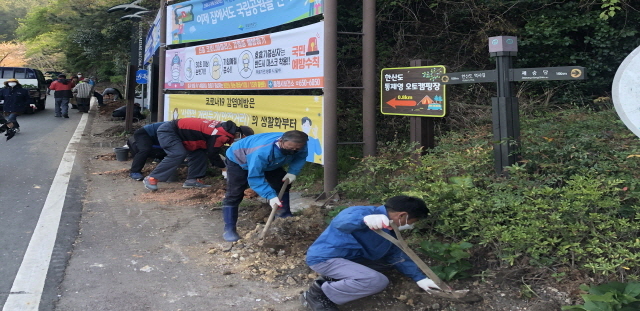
[(198, 20), (263, 113), (291, 59), (152, 43), (413, 91)]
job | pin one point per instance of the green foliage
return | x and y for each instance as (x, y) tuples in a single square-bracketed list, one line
[(614, 296), (453, 257), (571, 33), (550, 33), (80, 35), (334, 212), (573, 199), (10, 14), (348, 156), (609, 8), (370, 178)]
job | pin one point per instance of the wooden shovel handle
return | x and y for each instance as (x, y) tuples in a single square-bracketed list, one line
[(273, 210), (405, 248)]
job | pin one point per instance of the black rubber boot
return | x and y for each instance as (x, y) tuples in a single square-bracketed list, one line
[(314, 299), (285, 210), (230, 216)]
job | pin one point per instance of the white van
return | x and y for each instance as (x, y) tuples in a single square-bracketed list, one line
[(31, 79)]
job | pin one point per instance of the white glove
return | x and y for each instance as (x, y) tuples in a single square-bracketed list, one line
[(275, 203), (428, 285), (290, 177), (224, 174), (377, 221)]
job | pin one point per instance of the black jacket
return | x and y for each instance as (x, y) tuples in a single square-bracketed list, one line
[(16, 99)]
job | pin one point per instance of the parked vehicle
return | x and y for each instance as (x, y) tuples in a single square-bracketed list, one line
[(31, 79)]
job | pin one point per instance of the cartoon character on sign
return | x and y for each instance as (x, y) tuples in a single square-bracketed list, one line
[(175, 71), (189, 69), (181, 15), (216, 67), (176, 116), (313, 5), (313, 144), (245, 63)]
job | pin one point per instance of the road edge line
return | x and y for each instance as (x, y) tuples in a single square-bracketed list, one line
[(26, 291)]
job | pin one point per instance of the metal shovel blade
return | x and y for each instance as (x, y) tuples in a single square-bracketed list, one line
[(463, 295)]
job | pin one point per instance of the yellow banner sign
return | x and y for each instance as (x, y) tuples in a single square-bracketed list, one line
[(263, 113)]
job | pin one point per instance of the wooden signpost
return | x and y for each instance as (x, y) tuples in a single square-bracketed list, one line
[(421, 92)]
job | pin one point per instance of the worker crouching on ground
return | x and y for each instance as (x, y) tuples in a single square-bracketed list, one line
[(349, 255), (142, 145), (257, 162), (196, 139)]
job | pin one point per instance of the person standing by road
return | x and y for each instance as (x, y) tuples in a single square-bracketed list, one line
[(350, 256), (145, 139), (83, 92), (16, 100), (257, 162), (197, 139), (62, 88)]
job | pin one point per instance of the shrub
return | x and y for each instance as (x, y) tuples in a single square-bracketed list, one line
[(572, 200)]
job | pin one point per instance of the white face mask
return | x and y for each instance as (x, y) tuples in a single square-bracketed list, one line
[(12, 84), (406, 226)]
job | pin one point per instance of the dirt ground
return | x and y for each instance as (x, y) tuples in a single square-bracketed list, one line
[(279, 258)]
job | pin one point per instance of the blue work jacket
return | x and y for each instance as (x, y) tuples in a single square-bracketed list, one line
[(258, 154), (350, 238), (152, 131)]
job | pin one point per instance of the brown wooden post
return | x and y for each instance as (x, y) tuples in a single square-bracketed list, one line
[(369, 77), (422, 129), (162, 60), (131, 97), (330, 89)]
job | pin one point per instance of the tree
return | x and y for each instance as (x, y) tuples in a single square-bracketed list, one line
[(79, 35), (12, 54)]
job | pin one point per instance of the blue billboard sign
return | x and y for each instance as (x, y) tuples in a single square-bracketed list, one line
[(198, 20), (153, 39)]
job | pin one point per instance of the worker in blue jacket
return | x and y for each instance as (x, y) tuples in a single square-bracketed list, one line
[(349, 255), (256, 161)]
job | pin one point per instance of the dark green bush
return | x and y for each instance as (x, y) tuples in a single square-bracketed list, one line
[(572, 200)]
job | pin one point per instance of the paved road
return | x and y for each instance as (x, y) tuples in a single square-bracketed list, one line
[(28, 164)]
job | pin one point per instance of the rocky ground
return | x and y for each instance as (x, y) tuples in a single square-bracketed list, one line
[(278, 259)]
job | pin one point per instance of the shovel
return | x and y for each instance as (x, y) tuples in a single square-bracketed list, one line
[(447, 292), (273, 210)]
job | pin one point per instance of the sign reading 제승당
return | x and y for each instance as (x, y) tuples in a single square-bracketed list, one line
[(548, 73), (413, 91)]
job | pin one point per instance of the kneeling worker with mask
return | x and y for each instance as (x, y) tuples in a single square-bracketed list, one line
[(349, 255)]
